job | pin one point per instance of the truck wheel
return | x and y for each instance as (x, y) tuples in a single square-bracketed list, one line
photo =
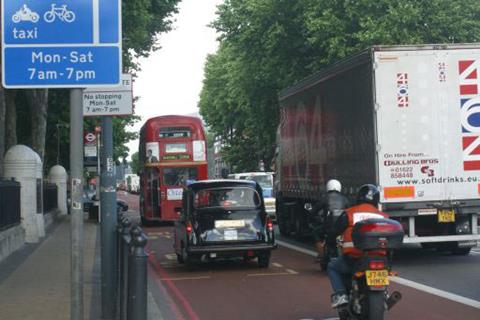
[(460, 251), (428, 245), (299, 226)]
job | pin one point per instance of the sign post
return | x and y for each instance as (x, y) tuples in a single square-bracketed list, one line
[(67, 44)]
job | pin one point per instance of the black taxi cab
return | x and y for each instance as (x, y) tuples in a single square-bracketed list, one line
[(223, 219)]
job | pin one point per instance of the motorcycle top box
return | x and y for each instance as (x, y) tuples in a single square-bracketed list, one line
[(373, 234)]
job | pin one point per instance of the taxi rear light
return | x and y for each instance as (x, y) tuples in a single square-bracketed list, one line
[(269, 224), (376, 265), (189, 228)]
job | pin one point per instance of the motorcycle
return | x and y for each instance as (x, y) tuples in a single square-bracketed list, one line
[(367, 287)]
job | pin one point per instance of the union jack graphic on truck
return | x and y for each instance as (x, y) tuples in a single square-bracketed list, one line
[(470, 113)]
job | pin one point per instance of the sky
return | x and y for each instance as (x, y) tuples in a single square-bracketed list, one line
[(171, 78)]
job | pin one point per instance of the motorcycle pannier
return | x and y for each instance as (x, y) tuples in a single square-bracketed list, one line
[(377, 234)]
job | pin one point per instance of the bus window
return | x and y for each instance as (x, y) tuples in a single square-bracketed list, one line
[(179, 176)]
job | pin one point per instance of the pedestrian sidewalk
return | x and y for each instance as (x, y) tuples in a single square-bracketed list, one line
[(35, 280)]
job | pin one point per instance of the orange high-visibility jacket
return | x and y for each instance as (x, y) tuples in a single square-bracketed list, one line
[(355, 214)]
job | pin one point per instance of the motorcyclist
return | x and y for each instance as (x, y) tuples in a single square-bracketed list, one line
[(366, 208), (329, 209)]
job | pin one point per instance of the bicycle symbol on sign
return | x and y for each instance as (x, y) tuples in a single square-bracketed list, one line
[(60, 12)]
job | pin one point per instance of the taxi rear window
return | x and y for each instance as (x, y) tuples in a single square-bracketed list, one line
[(228, 198)]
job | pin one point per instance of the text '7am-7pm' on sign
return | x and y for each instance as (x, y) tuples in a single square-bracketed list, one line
[(58, 43)]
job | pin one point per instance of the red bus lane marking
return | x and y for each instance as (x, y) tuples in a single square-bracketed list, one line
[(176, 292), (171, 303)]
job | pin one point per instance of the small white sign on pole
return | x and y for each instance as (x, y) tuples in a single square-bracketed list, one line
[(112, 101)]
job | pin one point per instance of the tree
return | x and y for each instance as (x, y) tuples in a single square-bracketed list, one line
[(268, 45), (38, 105), (135, 164)]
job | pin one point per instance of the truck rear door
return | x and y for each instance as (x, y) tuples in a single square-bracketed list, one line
[(428, 124)]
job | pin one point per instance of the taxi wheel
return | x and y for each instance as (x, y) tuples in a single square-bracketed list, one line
[(264, 260), (180, 258), (188, 260)]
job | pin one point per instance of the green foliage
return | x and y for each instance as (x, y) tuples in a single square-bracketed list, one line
[(143, 20), (135, 163), (267, 45)]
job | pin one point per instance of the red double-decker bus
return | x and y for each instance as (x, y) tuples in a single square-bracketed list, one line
[(172, 154)]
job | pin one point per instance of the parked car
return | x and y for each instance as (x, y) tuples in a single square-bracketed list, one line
[(223, 219)]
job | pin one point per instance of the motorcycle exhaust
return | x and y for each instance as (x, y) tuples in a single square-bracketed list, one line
[(393, 299)]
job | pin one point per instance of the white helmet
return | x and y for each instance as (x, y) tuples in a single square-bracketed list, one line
[(334, 185)]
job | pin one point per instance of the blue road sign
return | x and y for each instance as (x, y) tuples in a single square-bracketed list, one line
[(61, 43)]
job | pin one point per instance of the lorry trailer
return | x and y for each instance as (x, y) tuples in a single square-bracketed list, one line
[(406, 118)]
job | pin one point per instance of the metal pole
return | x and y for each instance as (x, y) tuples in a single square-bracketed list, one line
[(108, 229), (124, 242), (76, 222), (99, 170), (137, 276)]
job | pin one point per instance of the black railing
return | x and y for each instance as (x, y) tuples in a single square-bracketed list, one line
[(132, 279), (50, 201), (9, 204)]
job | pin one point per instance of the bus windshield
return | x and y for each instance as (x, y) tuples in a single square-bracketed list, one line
[(179, 176)]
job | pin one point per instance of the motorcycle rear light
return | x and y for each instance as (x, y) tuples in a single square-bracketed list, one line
[(269, 224), (189, 228), (376, 265), (380, 227)]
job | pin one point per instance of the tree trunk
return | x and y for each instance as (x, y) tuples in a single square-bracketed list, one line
[(38, 105), (10, 119)]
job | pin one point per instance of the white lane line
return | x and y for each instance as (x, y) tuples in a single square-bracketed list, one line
[(402, 281), (291, 271), (171, 256), (437, 292), (278, 265), (185, 278), (271, 274)]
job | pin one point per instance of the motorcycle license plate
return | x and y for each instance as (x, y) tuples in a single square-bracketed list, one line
[(377, 277), (446, 216)]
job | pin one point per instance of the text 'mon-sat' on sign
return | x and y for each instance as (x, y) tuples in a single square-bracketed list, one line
[(113, 101), (61, 43)]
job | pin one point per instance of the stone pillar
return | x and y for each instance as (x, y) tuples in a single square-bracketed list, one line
[(58, 175), (21, 164), (39, 216)]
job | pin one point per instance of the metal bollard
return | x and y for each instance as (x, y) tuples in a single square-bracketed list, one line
[(137, 276), (124, 239)]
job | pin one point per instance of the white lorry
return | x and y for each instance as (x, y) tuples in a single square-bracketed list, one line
[(406, 118)]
